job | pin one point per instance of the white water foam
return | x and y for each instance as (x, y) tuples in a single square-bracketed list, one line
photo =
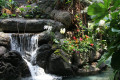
[(19, 43)]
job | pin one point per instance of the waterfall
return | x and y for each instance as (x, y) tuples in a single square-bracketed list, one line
[(27, 45)]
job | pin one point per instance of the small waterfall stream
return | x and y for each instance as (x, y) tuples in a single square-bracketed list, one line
[(27, 45)]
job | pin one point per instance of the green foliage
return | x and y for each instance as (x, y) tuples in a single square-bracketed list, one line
[(35, 12), (11, 4), (3, 3), (78, 45), (98, 11), (109, 9)]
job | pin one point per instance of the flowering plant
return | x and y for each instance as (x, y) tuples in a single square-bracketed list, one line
[(78, 44)]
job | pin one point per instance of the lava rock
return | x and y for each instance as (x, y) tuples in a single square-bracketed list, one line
[(62, 16), (58, 66), (4, 40), (2, 50), (43, 54), (44, 39), (12, 66)]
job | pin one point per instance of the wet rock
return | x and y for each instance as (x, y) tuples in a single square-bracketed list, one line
[(28, 25), (4, 39), (57, 65), (3, 50), (44, 38), (58, 35), (43, 54), (12, 66)]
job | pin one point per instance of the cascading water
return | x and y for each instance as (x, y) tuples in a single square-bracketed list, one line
[(27, 45)]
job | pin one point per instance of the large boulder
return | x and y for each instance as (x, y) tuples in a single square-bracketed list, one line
[(28, 25), (12, 66), (62, 16), (43, 54), (60, 65)]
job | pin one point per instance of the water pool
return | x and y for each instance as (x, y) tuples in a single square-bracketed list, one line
[(104, 75)]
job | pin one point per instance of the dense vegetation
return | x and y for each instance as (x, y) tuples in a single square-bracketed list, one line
[(101, 32)]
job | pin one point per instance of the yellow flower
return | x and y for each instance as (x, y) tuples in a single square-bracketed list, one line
[(76, 41), (62, 30)]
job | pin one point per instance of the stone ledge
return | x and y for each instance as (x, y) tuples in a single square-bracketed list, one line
[(28, 25)]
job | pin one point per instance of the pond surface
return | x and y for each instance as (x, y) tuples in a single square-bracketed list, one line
[(104, 75)]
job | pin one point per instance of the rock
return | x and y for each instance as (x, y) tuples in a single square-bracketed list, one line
[(43, 54), (79, 59), (4, 39), (44, 38), (94, 56), (91, 69), (58, 66), (28, 25), (3, 50), (62, 16), (88, 69), (46, 5), (58, 35), (12, 66)]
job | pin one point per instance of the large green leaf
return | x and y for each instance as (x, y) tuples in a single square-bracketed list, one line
[(104, 58), (97, 10), (107, 3)]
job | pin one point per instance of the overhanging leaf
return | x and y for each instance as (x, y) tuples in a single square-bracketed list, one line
[(97, 10), (107, 3)]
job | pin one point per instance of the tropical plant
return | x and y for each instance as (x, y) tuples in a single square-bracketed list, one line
[(3, 3), (108, 10), (78, 45), (11, 4)]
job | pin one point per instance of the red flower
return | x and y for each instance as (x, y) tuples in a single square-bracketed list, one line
[(78, 30), (92, 45), (74, 37), (86, 36), (77, 16), (73, 49), (81, 39), (77, 51)]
